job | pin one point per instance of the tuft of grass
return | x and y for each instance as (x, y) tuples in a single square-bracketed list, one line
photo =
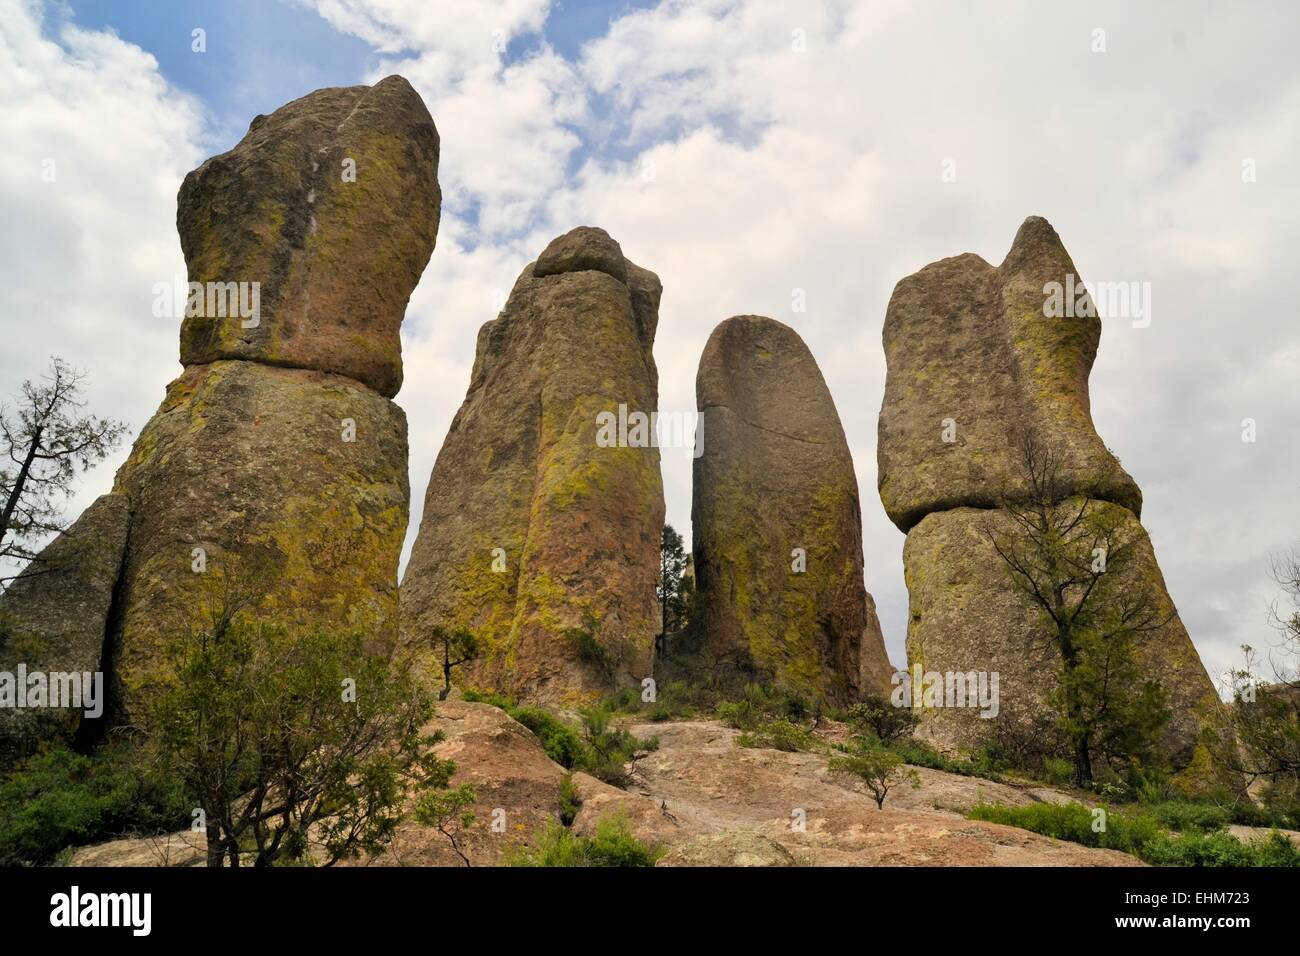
[(613, 844)]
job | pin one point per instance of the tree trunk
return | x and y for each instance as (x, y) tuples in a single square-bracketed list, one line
[(215, 850), (1082, 761), (446, 672), (16, 492)]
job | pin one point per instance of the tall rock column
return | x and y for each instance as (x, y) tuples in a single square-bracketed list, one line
[(278, 460), (541, 525), (979, 368), (776, 519)]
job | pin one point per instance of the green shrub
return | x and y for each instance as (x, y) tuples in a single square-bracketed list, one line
[(607, 749), (560, 741), (761, 702), (59, 798), (878, 717), (601, 749), (1221, 849), (1188, 815), (613, 844), (778, 734), (1142, 834)]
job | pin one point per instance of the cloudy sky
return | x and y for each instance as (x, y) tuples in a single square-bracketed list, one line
[(743, 151)]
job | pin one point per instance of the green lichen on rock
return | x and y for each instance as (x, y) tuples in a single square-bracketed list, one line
[(973, 362), (776, 518), (258, 467), (522, 475)]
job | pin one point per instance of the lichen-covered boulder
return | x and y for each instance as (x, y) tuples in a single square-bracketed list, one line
[(987, 395), (973, 363), (331, 204), (54, 617), (274, 475), (541, 529), (777, 525), (965, 615), (292, 482)]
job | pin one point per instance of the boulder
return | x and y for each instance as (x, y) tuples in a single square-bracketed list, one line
[(777, 525), (331, 204), (276, 468), (290, 482), (973, 363), (54, 617), (984, 364), (541, 523)]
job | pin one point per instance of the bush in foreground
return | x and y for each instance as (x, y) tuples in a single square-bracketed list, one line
[(613, 844)]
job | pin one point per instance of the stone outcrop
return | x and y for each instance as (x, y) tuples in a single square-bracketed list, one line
[(875, 672), (541, 524), (777, 524), (332, 205), (276, 467), (979, 365), (973, 363), (54, 616)]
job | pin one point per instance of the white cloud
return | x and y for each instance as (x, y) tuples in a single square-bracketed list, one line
[(819, 170), (79, 255)]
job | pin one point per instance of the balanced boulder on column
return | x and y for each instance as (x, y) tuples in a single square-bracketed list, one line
[(987, 366), (277, 459)]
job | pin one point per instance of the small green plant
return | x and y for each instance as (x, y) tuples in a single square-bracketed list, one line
[(876, 766), (570, 804), (447, 811), (778, 734), (608, 749), (613, 844), (456, 646)]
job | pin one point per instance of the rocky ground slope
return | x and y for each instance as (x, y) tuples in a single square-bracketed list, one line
[(704, 798)]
